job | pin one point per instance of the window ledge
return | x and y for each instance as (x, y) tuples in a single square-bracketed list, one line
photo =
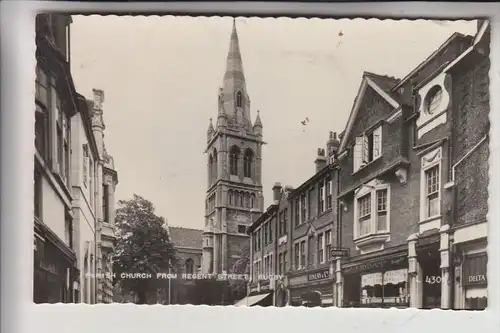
[(430, 219), (372, 238), (362, 167)]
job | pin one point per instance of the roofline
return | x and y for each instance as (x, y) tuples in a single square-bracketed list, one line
[(262, 217), (366, 81), (428, 59), (296, 191)]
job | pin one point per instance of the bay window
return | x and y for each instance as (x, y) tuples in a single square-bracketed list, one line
[(302, 254), (297, 256), (329, 191), (372, 210), (321, 195), (328, 243)]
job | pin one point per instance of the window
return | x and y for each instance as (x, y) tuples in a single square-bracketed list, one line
[(239, 99), (328, 243), (285, 217), (270, 231), (210, 169), (270, 270), (91, 181), (189, 266), (433, 99), (364, 214), (241, 198), (42, 93), (367, 148), (266, 226), (258, 238), (303, 254), (310, 253), (297, 212), (85, 164), (382, 210), (303, 210), (234, 156), (320, 245), (321, 196), (297, 255), (68, 231), (432, 191), (329, 190), (280, 223), (266, 264), (309, 202), (280, 264), (105, 202), (214, 166), (248, 163), (241, 229), (67, 152), (37, 184), (284, 262), (230, 197), (252, 201), (59, 136)]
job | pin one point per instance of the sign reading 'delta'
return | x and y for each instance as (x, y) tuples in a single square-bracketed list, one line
[(339, 252), (319, 275), (474, 270)]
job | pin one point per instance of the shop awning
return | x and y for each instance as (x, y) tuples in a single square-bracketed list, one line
[(251, 300), (476, 292)]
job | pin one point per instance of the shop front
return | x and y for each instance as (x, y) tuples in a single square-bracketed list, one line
[(380, 282), (54, 271), (312, 288), (472, 278)]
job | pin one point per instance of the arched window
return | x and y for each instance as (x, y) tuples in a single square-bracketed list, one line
[(230, 196), (252, 201), (214, 167), (239, 99), (234, 156), (189, 266), (210, 169), (241, 199), (248, 163), (247, 200)]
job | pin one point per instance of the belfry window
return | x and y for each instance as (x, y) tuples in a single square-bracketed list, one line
[(248, 163), (234, 156), (239, 99)]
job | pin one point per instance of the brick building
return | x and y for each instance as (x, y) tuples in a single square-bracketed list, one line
[(407, 218), (234, 149), (74, 179), (291, 240)]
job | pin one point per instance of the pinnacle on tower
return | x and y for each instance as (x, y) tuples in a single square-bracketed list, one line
[(210, 130)]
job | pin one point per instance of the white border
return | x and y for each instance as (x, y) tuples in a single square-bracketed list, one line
[(18, 314)]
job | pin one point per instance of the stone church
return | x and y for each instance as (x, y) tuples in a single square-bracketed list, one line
[(234, 150)]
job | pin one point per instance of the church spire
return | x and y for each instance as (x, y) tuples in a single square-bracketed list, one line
[(235, 97)]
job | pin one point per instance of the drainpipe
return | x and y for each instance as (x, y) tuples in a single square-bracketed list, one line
[(339, 237), (465, 157)]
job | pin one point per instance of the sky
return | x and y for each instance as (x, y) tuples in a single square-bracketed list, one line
[(161, 75)]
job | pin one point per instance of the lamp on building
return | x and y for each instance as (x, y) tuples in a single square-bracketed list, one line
[(343, 204), (457, 258)]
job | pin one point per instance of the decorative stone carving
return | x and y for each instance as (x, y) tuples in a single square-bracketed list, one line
[(402, 175), (431, 157), (98, 98)]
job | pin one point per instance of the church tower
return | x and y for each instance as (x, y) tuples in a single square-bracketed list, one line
[(234, 162)]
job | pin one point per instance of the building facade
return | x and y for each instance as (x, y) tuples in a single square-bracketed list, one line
[(74, 179), (312, 232), (413, 225), (56, 269), (234, 150)]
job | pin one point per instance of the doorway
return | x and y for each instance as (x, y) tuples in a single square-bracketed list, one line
[(430, 260)]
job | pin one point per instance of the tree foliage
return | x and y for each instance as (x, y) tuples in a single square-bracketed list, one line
[(143, 246)]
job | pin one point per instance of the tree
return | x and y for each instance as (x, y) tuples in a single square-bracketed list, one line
[(143, 246), (241, 266)]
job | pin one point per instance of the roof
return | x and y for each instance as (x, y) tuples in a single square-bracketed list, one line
[(185, 237), (385, 83), (264, 216), (443, 46)]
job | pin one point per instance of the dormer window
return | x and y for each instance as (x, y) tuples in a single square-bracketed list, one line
[(239, 99), (367, 148), (433, 99)]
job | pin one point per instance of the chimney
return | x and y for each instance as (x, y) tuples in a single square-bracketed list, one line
[(333, 144), (320, 160), (276, 192)]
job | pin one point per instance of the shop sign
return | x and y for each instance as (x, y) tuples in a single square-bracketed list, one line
[(376, 265), (319, 275), (474, 270), (339, 252)]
